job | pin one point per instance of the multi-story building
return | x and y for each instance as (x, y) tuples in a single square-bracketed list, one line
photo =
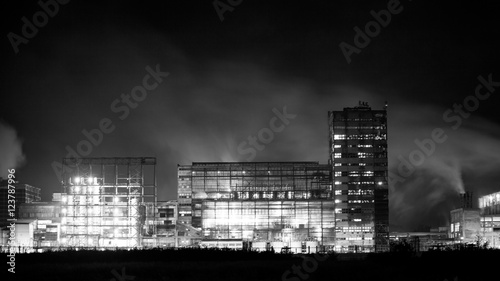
[(24, 193), (358, 154), (167, 218), (46, 217), (489, 206), (465, 225), (277, 204)]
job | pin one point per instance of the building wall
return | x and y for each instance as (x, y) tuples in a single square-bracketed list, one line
[(465, 225), (167, 218), (25, 193), (258, 201), (358, 153), (41, 210)]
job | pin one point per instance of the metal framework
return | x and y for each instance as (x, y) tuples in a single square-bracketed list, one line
[(104, 201)]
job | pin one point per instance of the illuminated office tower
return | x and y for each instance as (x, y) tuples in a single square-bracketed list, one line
[(358, 154)]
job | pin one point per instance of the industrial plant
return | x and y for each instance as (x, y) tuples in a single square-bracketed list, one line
[(293, 207)]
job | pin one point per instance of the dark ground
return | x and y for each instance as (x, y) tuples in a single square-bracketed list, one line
[(229, 265)]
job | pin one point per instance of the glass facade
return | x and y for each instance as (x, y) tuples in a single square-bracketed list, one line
[(259, 201)]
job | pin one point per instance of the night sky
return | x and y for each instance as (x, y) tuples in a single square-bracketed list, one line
[(226, 77)]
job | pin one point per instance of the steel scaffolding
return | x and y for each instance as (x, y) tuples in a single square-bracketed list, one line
[(104, 201)]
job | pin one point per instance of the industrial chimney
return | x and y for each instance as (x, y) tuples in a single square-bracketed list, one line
[(466, 200)]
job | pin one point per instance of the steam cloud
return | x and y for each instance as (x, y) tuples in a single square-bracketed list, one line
[(471, 154), (11, 154), (207, 107)]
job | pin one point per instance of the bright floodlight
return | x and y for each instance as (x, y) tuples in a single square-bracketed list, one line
[(77, 179), (90, 180), (380, 183)]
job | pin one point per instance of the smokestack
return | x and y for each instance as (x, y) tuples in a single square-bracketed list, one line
[(466, 200)]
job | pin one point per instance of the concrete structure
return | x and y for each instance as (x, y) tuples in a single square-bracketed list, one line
[(465, 225), (166, 221), (22, 236), (358, 153), (479, 226), (47, 221)]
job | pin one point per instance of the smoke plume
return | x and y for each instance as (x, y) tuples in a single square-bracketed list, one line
[(11, 154)]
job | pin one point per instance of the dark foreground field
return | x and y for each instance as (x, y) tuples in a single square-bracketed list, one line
[(226, 265)]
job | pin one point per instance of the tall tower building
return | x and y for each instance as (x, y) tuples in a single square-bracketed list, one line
[(358, 155)]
